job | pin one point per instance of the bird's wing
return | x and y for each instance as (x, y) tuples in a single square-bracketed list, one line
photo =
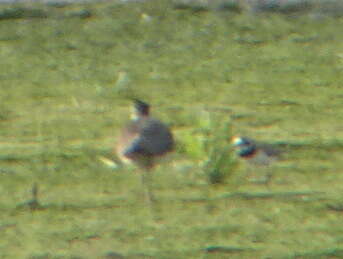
[(156, 137), (269, 149)]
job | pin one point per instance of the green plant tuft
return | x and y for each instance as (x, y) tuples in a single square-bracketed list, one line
[(220, 163)]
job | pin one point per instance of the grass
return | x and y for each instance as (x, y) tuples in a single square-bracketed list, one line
[(272, 77)]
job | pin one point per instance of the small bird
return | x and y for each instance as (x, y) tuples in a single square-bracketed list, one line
[(256, 153), (144, 140)]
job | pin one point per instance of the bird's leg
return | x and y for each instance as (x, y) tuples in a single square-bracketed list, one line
[(268, 177), (257, 178), (149, 196), (147, 185), (249, 173)]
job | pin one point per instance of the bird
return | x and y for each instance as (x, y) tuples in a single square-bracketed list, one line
[(257, 154), (143, 140)]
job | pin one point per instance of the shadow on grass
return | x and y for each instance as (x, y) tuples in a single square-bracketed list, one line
[(22, 13), (261, 195), (327, 253), (207, 252), (335, 207), (329, 146), (227, 249), (34, 205)]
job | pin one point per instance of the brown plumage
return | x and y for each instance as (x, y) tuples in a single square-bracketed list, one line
[(144, 139), (257, 154)]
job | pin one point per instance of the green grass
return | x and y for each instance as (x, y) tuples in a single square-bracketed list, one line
[(271, 77)]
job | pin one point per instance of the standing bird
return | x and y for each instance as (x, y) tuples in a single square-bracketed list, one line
[(144, 140), (256, 153)]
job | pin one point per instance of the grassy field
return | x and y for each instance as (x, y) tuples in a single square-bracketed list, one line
[(272, 77)]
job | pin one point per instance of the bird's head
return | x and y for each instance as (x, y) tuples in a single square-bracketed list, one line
[(245, 146), (140, 109), (238, 141)]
